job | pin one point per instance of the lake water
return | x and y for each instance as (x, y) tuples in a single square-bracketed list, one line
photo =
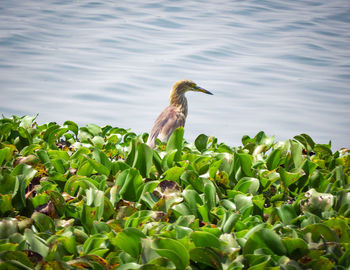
[(278, 66)]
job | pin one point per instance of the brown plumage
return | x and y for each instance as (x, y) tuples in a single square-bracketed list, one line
[(175, 114)]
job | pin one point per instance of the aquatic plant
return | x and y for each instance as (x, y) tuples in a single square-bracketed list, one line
[(99, 198)]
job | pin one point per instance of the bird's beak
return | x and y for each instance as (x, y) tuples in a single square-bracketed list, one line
[(200, 89)]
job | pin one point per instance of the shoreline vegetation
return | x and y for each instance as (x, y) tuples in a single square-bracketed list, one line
[(99, 198)]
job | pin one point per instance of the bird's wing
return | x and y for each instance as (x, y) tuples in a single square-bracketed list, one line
[(170, 119)]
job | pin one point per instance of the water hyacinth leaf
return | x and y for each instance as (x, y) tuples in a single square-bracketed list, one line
[(205, 239), (246, 161), (5, 155), (85, 169), (297, 153), (27, 121), (88, 215), (94, 242), (169, 159), (229, 221), (323, 150), (36, 243), (274, 159), (129, 240), (259, 261), (296, 247), (243, 202), (286, 213), (175, 142), (264, 238), (173, 250), (319, 231), (201, 165), (101, 157), (210, 195), (98, 141), (15, 260), (316, 202), (342, 203), (206, 256), (306, 141), (23, 169), (130, 184), (169, 194), (289, 178), (174, 173), (193, 179), (143, 160), (100, 168), (75, 182), (214, 167), (95, 198), (192, 199), (201, 142), (43, 222), (19, 200), (94, 129), (70, 125), (59, 165), (247, 185), (5, 203)]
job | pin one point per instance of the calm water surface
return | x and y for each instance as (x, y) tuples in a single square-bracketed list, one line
[(278, 66)]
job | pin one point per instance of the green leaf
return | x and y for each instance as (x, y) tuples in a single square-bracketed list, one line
[(210, 195), (129, 240), (201, 142), (173, 250), (286, 213), (274, 159), (43, 222), (36, 243), (247, 185), (129, 183), (93, 243), (246, 161), (205, 239), (264, 238), (201, 165), (5, 155), (297, 153), (94, 129), (173, 174), (5, 203), (193, 179), (70, 125), (207, 256), (319, 231), (143, 160), (175, 142), (296, 247), (289, 178), (98, 167)]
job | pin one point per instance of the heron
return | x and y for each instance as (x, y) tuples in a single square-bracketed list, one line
[(175, 114)]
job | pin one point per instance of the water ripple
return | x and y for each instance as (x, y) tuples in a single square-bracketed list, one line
[(272, 65)]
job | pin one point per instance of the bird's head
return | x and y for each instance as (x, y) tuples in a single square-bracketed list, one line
[(182, 86)]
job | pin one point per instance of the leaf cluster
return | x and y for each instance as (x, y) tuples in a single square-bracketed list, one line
[(99, 198)]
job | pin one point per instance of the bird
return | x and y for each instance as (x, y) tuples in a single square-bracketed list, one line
[(175, 114)]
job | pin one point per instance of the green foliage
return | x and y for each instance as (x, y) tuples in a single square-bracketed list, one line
[(100, 198)]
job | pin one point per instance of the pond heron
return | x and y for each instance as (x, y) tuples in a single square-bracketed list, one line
[(175, 114)]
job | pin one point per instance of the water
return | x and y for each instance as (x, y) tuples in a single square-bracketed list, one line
[(278, 66)]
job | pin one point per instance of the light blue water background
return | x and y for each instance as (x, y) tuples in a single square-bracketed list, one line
[(278, 66)]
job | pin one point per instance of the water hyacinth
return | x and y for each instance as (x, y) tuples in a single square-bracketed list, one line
[(99, 197)]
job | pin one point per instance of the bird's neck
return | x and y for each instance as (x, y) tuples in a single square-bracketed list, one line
[(179, 101)]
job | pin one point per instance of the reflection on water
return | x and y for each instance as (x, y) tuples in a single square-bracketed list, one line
[(273, 66)]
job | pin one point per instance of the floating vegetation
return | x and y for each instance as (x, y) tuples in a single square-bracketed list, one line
[(99, 198)]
